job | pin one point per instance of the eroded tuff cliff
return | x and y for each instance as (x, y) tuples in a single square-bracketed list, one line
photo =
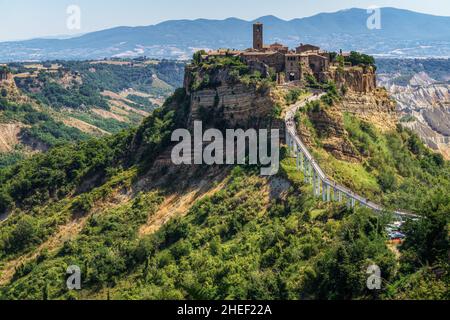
[(375, 107), (9, 90), (424, 105), (356, 79), (226, 99)]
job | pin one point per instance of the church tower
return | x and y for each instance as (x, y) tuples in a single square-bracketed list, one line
[(258, 36)]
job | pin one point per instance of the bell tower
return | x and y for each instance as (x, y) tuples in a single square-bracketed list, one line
[(258, 36)]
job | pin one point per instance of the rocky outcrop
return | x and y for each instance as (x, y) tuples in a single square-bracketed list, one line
[(329, 126), (9, 136), (227, 101), (356, 79), (375, 107), (236, 105), (424, 104), (9, 90), (5, 75)]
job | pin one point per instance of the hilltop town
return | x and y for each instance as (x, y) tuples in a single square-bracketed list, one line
[(296, 66), (247, 87)]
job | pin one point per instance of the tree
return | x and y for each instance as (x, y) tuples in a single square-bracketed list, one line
[(357, 58), (340, 60), (198, 56), (386, 179), (6, 201), (83, 204), (24, 233), (427, 239)]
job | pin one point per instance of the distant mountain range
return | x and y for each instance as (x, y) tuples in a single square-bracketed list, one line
[(403, 34)]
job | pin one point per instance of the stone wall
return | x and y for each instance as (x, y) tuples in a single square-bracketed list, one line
[(275, 60)]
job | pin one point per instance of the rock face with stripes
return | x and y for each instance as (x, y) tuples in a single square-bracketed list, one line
[(356, 79), (228, 102)]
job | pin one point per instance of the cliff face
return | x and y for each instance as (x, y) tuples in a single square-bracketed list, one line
[(227, 101), (425, 104), (10, 91), (329, 126), (356, 79), (375, 107)]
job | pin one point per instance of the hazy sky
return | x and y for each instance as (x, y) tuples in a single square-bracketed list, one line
[(22, 19)]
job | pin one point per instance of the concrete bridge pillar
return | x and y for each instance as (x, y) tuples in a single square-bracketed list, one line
[(305, 171), (302, 160), (288, 143), (287, 135), (328, 193), (314, 185), (324, 192), (319, 185)]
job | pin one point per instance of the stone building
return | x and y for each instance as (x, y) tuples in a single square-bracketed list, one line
[(293, 68), (305, 59), (258, 36), (318, 63), (278, 47), (307, 48), (273, 59), (289, 65)]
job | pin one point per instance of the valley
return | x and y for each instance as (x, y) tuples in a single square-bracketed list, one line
[(45, 104), (422, 91)]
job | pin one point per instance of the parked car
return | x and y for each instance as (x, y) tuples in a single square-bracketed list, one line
[(396, 235)]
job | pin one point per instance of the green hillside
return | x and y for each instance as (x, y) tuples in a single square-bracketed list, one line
[(98, 205), (58, 102)]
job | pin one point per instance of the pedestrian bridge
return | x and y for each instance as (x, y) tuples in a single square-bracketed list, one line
[(314, 175)]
